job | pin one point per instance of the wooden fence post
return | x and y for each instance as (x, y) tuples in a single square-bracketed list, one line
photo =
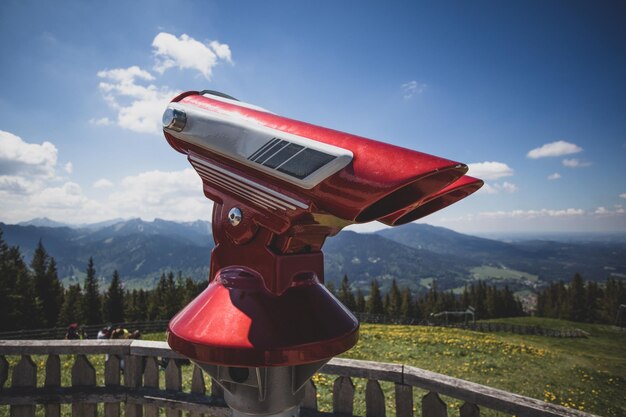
[(24, 376), (470, 410), (151, 380), (404, 400), (112, 379), (343, 396), (197, 386), (83, 375), (432, 406), (4, 371), (173, 382), (133, 370), (53, 380), (374, 399)]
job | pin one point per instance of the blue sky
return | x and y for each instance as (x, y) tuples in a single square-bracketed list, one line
[(83, 84)]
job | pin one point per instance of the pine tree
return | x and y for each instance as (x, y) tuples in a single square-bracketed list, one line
[(39, 265), (479, 296), (7, 284), (407, 309), (165, 300), (48, 289), (114, 301), (360, 301), (394, 300), (172, 297), (136, 306), (592, 294), (24, 308), (142, 305), (91, 306), (345, 294), (432, 303), (190, 291), (577, 299), (374, 303), (418, 307), (491, 302), (71, 310), (55, 301), (465, 299)]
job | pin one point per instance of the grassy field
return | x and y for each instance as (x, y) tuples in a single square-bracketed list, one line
[(490, 272), (586, 374)]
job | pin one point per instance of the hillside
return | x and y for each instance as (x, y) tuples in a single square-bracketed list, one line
[(548, 260), (364, 257), (414, 254), (139, 250)]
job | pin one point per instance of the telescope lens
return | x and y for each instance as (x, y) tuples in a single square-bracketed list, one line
[(174, 119)]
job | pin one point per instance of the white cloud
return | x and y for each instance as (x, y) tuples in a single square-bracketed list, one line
[(27, 159), (532, 213), (187, 53), (67, 196), (11, 185), (133, 92), (139, 107), (103, 121), (496, 188), (507, 187), (102, 183), (489, 170), (537, 221), (173, 195), (487, 189), (622, 195), (126, 76), (42, 199), (616, 211), (221, 50), (558, 148), (575, 163), (30, 187), (554, 176), (412, 88)]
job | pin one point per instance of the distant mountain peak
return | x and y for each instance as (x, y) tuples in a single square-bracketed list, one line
[(43, 222)]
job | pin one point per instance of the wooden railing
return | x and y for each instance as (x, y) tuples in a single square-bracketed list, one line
[(140, 392)]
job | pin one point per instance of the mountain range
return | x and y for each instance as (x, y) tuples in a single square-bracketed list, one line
[(415, 254)]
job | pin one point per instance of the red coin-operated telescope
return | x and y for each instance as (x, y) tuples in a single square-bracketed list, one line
[(280, 187)]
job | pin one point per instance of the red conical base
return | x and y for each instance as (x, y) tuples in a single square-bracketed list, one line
[(236, 321)]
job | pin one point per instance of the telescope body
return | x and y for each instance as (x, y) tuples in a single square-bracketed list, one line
[(280, 187)]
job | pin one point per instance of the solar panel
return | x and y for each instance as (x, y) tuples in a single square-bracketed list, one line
[(283, 155), (264, 156), (305, 163)]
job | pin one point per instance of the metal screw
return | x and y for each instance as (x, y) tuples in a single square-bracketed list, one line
[(234, 216)]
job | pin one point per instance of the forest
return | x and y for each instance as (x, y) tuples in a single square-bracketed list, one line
[(33, 297)]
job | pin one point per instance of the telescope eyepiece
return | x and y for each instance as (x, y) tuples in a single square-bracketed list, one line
[(174, 119)]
